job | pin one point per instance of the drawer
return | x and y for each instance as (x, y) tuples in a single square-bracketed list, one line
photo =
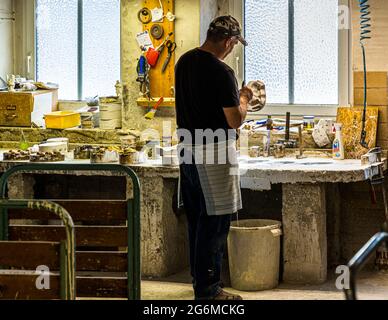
[(15, 110)]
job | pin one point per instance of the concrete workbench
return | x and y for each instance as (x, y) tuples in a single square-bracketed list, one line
[(304, 208), (163, 236)]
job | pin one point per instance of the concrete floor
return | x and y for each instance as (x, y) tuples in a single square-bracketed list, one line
[(372, 285)]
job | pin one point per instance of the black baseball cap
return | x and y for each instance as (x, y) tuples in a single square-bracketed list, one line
[(227, 26)]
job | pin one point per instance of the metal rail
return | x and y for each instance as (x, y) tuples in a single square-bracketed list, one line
[(67, 248), (358, 261)]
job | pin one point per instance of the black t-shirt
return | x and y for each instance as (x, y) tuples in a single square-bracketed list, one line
[(204, 87)]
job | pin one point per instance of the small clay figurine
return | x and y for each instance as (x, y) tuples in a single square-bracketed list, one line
[(11, 82), (119, 89)]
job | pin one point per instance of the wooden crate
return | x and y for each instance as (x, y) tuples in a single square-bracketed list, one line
[(101, 250)]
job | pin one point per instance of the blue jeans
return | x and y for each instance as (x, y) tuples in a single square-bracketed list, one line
[(207, 236)]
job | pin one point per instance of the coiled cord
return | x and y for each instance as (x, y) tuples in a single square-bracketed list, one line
[(365, 34)]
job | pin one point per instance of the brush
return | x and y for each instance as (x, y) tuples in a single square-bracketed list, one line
[(151, 115)]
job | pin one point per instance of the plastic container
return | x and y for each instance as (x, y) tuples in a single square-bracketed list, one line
[(254, 254), (308, 122), (338, 143), (62, 120), (53, 147), (60, 140)]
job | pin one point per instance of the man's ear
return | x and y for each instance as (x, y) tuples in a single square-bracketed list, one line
[(228, 42)]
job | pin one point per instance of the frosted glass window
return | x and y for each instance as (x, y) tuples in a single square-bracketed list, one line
[(266, 57), (58, 40), (316, 52), (101, 47), (56, 32), (269, 56)]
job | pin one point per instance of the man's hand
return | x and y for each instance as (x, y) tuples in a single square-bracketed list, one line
[(246, 95), (236, 116)]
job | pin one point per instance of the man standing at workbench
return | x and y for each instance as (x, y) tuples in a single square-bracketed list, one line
[(209, 109)]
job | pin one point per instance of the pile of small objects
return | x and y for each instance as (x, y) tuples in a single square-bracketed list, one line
[(17, 155), (83, 152), (47, 157), (104, 155), (128, 156)]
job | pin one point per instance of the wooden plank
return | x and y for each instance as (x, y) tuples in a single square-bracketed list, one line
[(144, 102), (382, 132), (383, 113), (21, 285), (376, 96), (374, 79), (29, 255), (161, 83), (383, 144), (102, 287), (17, 285), (81, 211), (85, 236), (103, 261), (351, 118)]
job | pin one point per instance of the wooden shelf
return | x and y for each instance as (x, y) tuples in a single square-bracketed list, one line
[(144, 102)]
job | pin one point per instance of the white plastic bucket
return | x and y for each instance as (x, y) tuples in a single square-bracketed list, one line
[(111, 111), (254, 254)]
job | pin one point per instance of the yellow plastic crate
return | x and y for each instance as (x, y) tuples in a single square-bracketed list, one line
[(62, 120)]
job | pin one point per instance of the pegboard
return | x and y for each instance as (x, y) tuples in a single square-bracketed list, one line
[(162, 84)]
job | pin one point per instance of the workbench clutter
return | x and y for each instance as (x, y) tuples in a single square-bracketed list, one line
[(110, 113), (51, 150), (26, 108), (155, 67), (57, 150)]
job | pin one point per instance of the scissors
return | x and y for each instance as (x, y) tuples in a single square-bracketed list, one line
[(171, 47)]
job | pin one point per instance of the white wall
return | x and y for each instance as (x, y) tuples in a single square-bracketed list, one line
[(24, 37), (208, 11), (6, 38)]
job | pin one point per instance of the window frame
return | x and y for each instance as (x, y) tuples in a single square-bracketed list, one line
[(236, 7), (29, 51)]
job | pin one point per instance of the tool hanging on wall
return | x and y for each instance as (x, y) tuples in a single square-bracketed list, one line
[(365, 23), (157, 31), (153, 55), (151, 115), (171, 46), (144, 15), (143, 76)]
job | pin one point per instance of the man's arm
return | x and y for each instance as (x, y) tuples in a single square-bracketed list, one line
[(236, 116)]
